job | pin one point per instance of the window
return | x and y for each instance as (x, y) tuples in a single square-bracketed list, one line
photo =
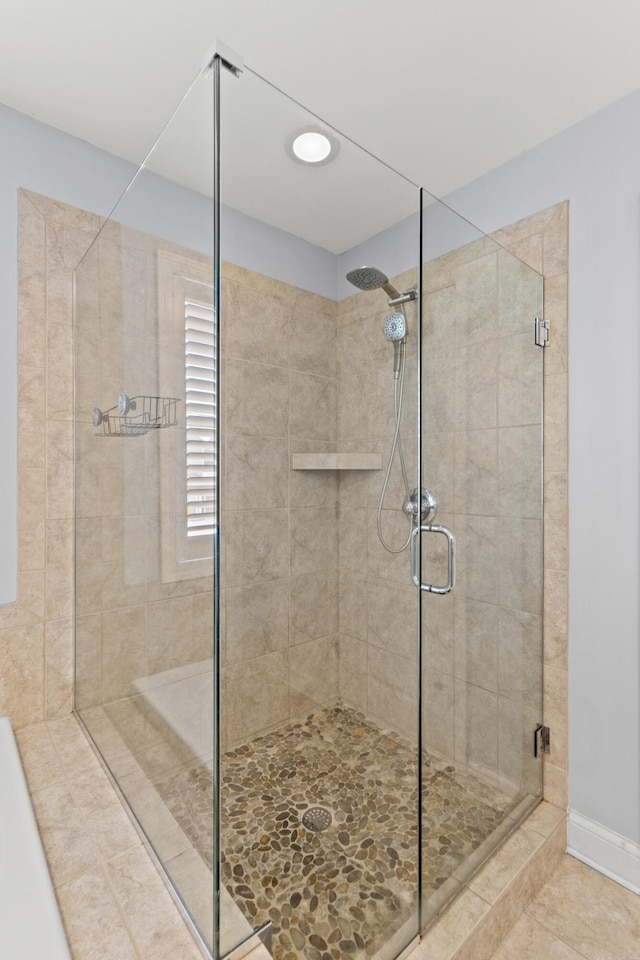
[(200, 418), (187, 369)]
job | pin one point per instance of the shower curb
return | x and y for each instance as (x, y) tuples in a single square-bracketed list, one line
[(476, 923)]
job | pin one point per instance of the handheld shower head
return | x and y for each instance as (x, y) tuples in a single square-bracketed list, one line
[(395, 327), (370, 278), (395, 331)]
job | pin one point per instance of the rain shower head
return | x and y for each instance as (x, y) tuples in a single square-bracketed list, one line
[(370, 278)]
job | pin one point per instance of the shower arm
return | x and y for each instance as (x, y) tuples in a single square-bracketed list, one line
[(397, 299)]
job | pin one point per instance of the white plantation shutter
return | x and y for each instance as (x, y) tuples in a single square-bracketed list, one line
[(200, 418)]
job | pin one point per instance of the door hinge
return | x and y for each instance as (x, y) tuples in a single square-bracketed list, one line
[(541, 332), (541, 740)]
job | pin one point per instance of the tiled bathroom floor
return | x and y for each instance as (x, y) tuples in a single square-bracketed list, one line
[(578, 915), (114, 905)]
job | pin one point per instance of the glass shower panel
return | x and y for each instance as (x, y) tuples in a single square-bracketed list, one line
[(145, 421), (482, 460), (320, 639)]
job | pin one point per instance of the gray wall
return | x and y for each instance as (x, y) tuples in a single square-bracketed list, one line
[(596, 166), (46, 161)]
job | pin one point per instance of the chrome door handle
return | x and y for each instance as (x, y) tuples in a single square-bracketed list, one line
[(451, 558)]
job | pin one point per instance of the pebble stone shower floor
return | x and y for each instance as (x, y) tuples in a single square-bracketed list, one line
[(345, 891)]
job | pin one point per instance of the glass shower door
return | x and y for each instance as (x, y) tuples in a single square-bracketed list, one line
[(482, 460)]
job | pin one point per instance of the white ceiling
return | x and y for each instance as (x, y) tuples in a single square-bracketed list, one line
[(442, 91)]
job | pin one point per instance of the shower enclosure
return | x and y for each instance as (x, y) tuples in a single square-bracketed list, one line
[(315, 687)]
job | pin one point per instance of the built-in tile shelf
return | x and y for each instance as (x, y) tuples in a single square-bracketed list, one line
[(336, 461)]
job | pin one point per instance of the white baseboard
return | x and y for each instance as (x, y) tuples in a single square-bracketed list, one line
[(605, 851)]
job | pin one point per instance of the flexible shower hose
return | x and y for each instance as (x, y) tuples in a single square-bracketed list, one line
[(398, 391)]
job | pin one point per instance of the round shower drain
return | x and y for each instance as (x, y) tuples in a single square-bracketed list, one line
[(317, 819)]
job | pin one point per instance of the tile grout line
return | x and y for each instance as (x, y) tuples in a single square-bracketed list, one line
[(553, 933)]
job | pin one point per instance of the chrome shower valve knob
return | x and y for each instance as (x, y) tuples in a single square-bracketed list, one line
[(428, 506)]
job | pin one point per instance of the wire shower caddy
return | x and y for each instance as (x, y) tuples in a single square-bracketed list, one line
[(135, 416)]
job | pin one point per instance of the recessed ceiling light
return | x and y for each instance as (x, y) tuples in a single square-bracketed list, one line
[(312, 145)]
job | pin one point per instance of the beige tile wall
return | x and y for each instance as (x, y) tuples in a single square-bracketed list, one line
[(134, 620), (285, 548), (279, 559), (35, 633), (483, 414), (378, 605), (543, 241), (120, 605)]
